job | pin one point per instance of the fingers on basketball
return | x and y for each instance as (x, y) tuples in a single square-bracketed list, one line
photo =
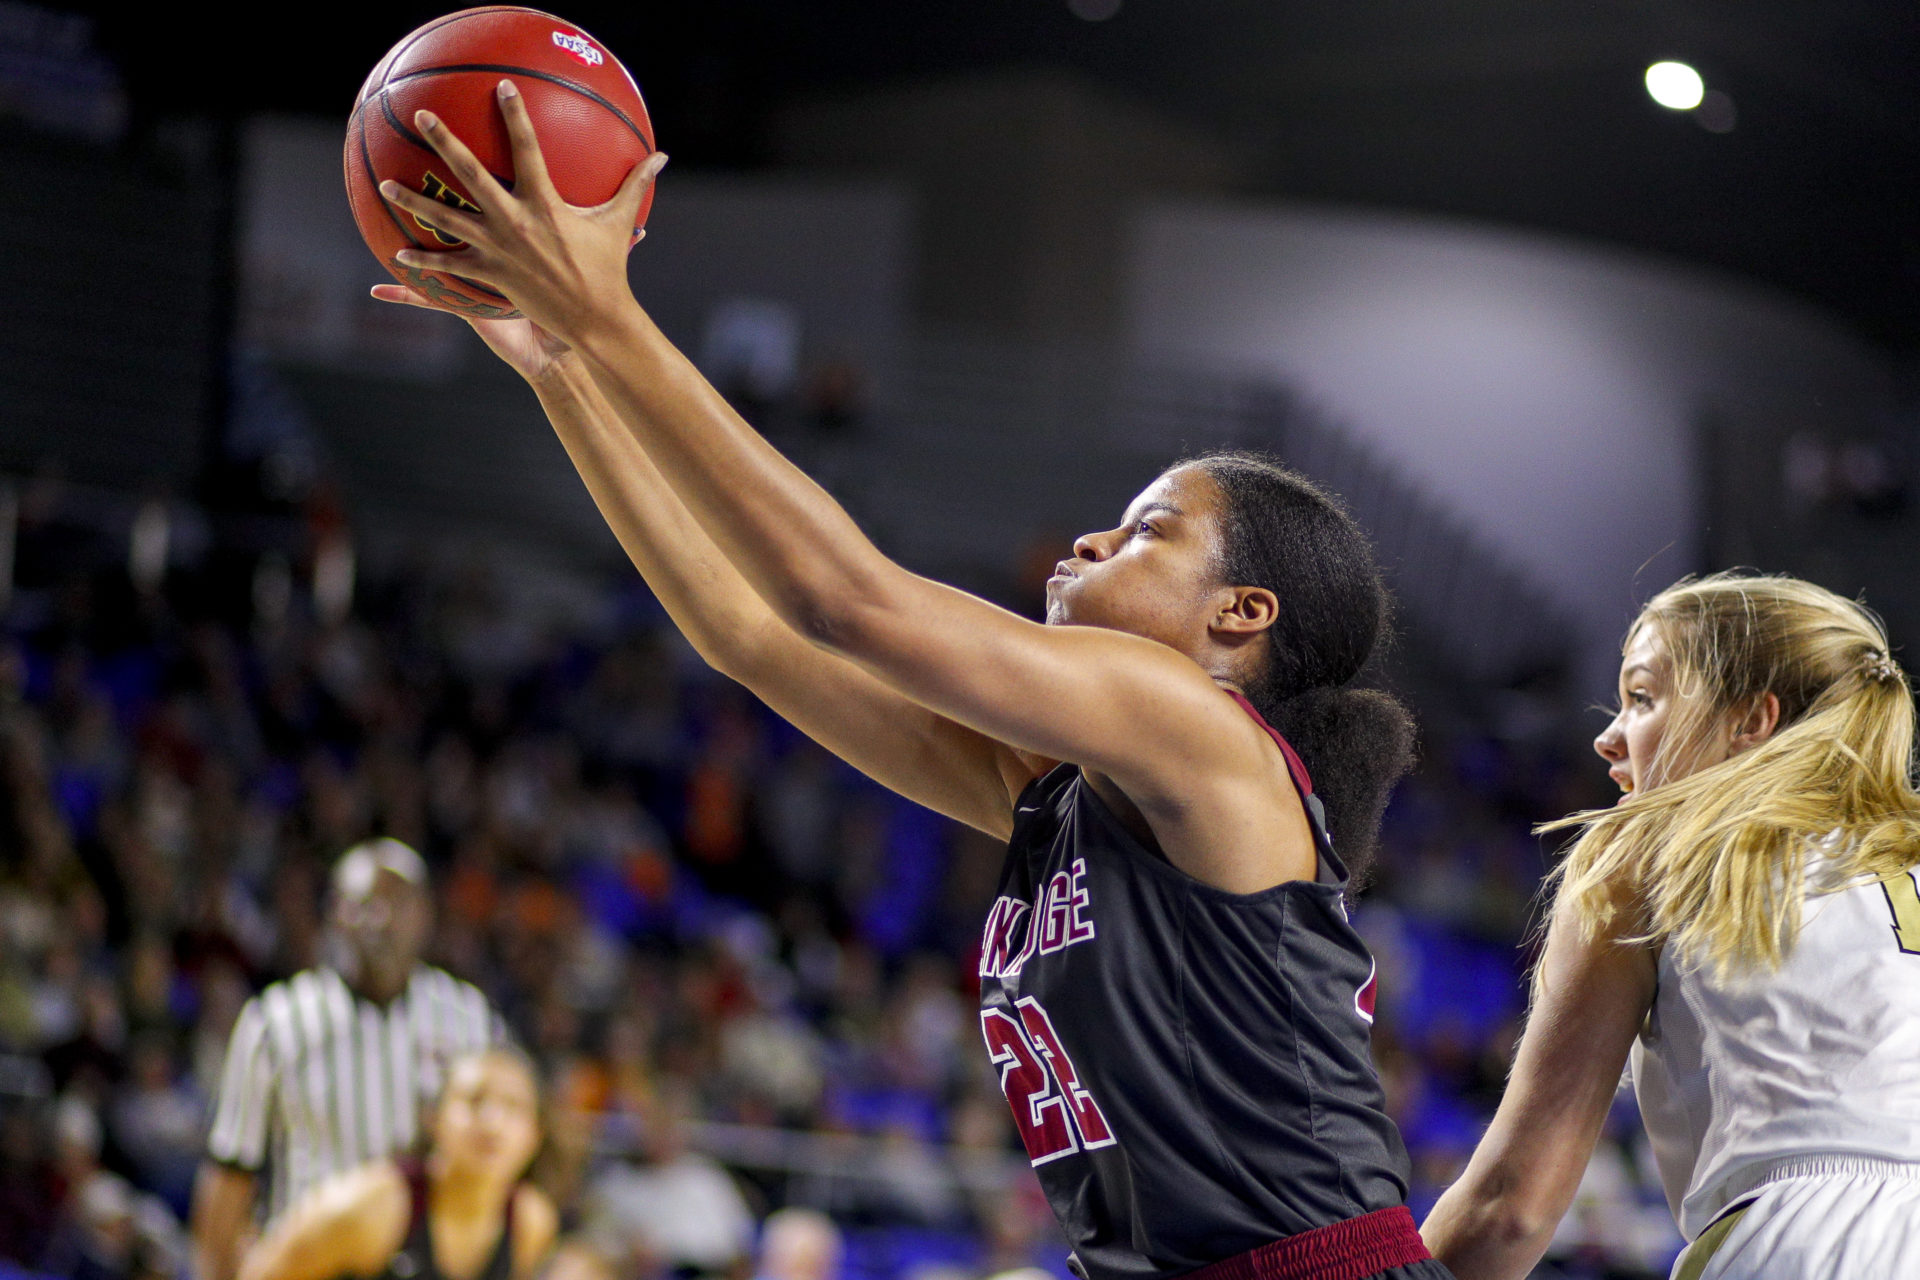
[(529, 165), (584, 118)]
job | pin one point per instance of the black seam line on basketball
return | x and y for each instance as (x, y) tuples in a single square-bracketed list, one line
[(445, 20), (399, 51), (548, 76), (398, 126), (366, 162), (393, 122)]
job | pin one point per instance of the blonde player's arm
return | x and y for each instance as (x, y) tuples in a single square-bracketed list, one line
[(922, 755), (350, 1225), (1593, 996)]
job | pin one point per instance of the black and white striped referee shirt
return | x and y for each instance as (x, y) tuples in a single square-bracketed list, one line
[(319, 1079)]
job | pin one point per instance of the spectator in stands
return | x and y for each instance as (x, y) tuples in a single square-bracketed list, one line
[(156, 1121), (679, 1214), (104, 1229), (799, 1244), (332, 1067)]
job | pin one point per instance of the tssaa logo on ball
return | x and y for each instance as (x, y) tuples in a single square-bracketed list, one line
[(580, 47)]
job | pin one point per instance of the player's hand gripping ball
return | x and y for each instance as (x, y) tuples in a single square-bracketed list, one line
[(593, 129)]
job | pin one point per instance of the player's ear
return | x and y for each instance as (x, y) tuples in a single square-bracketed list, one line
[(1245, 612), (1755, 723)]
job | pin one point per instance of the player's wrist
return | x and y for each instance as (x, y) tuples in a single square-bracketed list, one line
[(563, 371), (612, 325)]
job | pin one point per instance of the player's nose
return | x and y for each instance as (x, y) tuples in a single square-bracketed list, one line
[(1093, 546)]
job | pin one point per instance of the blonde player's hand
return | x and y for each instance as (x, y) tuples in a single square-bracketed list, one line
[(529, 350)]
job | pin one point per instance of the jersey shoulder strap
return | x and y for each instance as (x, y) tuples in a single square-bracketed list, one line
[(1333, 870), (1295, 765), (500, 1266)]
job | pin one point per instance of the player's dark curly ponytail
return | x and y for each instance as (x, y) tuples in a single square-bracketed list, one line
[(1286, 534)]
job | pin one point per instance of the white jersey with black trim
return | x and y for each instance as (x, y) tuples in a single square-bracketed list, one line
[(1743, 1078), (319, 1079)]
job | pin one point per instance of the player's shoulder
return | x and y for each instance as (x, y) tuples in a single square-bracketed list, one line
[(536, 1224)]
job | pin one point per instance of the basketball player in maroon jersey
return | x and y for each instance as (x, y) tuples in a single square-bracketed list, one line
[(1175, 1000)]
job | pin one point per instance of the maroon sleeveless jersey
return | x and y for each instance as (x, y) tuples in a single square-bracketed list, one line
[(1189, 1068), (415, 1260)]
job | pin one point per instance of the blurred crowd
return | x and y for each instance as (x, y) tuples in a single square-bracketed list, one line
[(746, 971)]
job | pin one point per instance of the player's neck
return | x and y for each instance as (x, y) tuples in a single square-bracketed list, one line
[(465, 1198)]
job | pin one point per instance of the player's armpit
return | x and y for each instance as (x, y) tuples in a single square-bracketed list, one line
[(1592, 997), (929, 758)]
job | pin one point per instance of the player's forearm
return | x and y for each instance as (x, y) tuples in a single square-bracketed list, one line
[(1482, 1233), (1592, 998), (222, 1207), (711, 603), (1496, 1221), (803, 555)]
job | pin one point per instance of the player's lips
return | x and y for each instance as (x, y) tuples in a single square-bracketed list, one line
[(1063, 570), (486, 1142), (1622, 779)]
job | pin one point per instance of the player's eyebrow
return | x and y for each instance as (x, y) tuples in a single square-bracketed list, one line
[(1626, 675)]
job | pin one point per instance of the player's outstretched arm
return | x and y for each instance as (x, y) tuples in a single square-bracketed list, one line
[(900, 744), (1497, 1220), (349, 1225), (1071, 693)]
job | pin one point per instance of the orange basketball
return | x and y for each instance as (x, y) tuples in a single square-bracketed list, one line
[(585, 107)]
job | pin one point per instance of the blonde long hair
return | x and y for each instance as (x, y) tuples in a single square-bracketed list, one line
[(1713, 861)]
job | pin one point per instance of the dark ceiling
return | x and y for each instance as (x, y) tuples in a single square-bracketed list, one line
[(1520, 111)]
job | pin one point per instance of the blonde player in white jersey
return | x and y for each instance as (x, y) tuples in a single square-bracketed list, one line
[(1745, 926)]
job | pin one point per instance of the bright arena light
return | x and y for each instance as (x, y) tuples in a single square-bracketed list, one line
[(1675, 85)]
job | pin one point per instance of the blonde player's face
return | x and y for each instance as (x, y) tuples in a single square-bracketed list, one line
[(1631, 744), (489, 1116)]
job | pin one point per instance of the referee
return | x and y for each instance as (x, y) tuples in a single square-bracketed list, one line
[(334, 1066)]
